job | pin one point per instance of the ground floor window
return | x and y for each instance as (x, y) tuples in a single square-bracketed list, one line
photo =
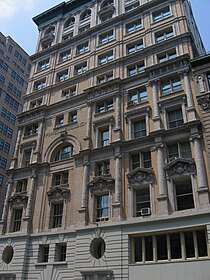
[(169, 246)]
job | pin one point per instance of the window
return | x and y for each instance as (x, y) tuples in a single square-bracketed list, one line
[(40, 85), (105, 78), (104, 138), (184, 195), (131, 7), (69, 23), (44, 64), (208, 78), (171, 85), (60, 178), (81, 69), (169, 246), (31, 129), (135, 47), (83, 48), (36, 103), (170, 54), (2, 79), (4, 146), (84, 28), (134, 26), (104, 106), (62, 76), (85, 15), (10, 48), (142, 201), (3, 162), (73, 117), (1, 180), (137, 96), (102, 208), (27, 157), (106, 58), (9, 100), (16, 219), (107, 3), (164, 35), (66, 93), (142, 159), (43, 254), (65, 152), (136, 68), (21, 186), (56, 215), (139, 129), (106, 37), (59, 121), (161, 14), (175, 118), (60, 252), (103, 168), (64, 56), (179, 150)]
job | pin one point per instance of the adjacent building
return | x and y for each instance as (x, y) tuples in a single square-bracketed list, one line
[(14, 74), (109, 178)]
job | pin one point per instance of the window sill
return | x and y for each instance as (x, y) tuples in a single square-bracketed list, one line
[(103, 113), (41, 264), (170, 261), (30, 136)]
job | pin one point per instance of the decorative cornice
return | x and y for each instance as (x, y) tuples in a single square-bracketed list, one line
[(140, 176), (101, 184), (18, 200), (58, 193), (180, 167)]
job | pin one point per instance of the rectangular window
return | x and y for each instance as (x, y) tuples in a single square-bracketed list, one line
[(27, 157), (56, 215), (106, 37), (60, 178), (171, 85), (164, 35), (179, 150), (175, 118), (103, 168), (142, 159), (17, 217), (43, 254), (161, 14), (104, 106), (2, 79), (73, 117), (3, 162), (40, 85), (59, 121), (44, 64), (60, 252), (62, 76), (170, 54), (83, 48), (135, 47), (1, 180), (137, 96), (134, 26), (136, 68), (66, 93), (105, 78), (184, 195), (104, 138), (81, 69), (102, 208), (21, 186), (64, 56), (143, 201), (31, 129), (139, 129), (105, 58)]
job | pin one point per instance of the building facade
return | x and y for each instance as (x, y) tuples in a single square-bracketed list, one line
[(109, 176), (14, 74)]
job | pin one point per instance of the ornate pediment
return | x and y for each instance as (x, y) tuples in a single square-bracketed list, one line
[(101, 184), (204, 101), (140, 176), (58, 193), (18, 200), (180, 167)]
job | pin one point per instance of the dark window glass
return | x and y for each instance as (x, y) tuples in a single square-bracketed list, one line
[(175, 244), (201, 241), (148, 248), (138, 249), (189, 245), (161, 247)]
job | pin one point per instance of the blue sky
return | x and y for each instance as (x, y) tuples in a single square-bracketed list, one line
[(16, 20)]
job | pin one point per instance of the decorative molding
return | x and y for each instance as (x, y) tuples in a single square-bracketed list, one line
[(18, 200), (180, 167), (58, 193), (204, 101), (140, 176), (101, 184)]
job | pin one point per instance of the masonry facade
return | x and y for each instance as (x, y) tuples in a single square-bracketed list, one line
[(109, 176)]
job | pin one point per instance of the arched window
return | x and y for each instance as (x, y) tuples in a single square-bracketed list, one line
[(107, 3), (85, 15), (69, 22), (49, 31), (64, 152)]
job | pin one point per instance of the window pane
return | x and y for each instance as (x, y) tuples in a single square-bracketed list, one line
[(138, 249), (189, 245), (175, 244), (161, 247), (201, 241), (148, 248)]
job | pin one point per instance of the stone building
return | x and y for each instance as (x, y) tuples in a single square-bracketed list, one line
[(109, 177), (14, 74)]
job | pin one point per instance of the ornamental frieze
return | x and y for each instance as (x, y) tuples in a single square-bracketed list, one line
[(101, 184), (204, 101), (18, 200), (58, 193), (64, 129), (140, 176), (180, 167)]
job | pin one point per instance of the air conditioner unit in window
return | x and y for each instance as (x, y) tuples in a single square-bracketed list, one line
[(145, 211)]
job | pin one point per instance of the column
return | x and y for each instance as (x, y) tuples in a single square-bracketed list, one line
[(31, 196), (17, 147), (37, 151), (6, 200), (202, 184), (86, 170), (156, 111), (118, 176), (190, 102), (89, 123), (161, 180), (118, 117)]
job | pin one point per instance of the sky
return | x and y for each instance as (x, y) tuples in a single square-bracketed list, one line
[(16, 20)]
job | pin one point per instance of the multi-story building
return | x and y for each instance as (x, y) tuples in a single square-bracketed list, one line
[(14, 74), (109, 177)]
